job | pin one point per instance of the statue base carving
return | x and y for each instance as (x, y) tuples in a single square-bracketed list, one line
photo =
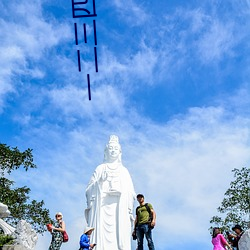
[(25, 237)]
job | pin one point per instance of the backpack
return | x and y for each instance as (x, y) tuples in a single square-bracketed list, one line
[(149, 212)]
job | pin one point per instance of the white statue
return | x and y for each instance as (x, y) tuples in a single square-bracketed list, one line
[(244, 242), (4, 212), (110, 197), (25, 235)]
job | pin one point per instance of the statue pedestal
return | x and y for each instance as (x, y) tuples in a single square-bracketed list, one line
[(244, 242), (13, 247)]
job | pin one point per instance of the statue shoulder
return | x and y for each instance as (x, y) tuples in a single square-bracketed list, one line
[(100, 168)]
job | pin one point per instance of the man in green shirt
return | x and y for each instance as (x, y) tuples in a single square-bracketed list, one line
[(144, 223)]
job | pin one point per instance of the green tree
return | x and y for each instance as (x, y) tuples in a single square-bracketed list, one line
[(17, 199), (235, 207)]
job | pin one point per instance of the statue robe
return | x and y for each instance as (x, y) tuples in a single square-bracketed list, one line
[(110, 197)]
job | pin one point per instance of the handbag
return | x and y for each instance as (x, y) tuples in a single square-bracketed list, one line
[(49, 227), (65, 236)]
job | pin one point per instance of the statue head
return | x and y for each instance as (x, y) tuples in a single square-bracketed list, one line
[(113, 150), (4, 211)]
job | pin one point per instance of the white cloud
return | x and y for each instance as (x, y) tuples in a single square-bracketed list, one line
[(217, 42), (198, 19), (131, 12), (143, 63), (124, 71), (73, 101), (110, 64), (25, 40), (199, 33), (239, 101)]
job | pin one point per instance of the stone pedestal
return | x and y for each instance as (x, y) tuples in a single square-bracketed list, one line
[(244, 242), (13, 247)]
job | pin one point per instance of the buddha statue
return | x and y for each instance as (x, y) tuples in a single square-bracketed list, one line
[(110, 197)]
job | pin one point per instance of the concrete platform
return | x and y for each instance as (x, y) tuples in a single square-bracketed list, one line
[(13, 247)]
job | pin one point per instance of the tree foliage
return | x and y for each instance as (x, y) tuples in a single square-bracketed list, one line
[(17, 199), (6, 239), (12, 159), (235, 207)]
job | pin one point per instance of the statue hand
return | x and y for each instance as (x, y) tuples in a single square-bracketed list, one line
[(104, 176), (132, 217)]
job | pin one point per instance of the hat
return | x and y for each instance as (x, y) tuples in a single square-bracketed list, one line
[(140, 195), (237, 227), (59, 213), (87, 229)]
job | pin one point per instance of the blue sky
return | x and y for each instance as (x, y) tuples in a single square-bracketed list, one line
[(172, 83)]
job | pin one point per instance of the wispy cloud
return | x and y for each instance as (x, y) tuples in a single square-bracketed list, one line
[(24, 41), (216, 43), (131, 12), (74, 101)]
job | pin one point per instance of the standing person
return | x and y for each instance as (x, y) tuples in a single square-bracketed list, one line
[(218, 240), (239, 231), (231, 240), (142, 226), (56, 231), (110, 198), (85, 239)]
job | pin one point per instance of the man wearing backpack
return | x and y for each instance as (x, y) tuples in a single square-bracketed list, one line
[(144, 223)]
